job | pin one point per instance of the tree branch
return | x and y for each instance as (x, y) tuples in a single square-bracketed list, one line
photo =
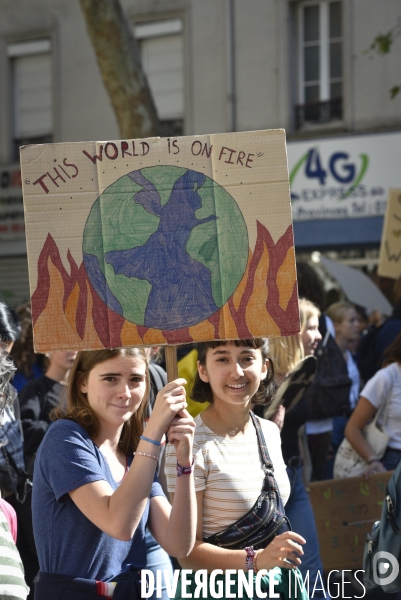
[(118, 57)]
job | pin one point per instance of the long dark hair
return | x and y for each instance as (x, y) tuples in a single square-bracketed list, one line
[(78, 409), (393, 352), (202, 391), (22, 352)]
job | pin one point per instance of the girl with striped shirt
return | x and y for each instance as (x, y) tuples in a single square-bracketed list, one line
[(227, 465)]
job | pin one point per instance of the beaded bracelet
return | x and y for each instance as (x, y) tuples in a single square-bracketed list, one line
[(146, 454), (155, 442), (372, 460), (250, 557), (255, 568)]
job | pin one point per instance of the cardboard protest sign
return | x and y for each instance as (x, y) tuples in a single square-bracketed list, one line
[(390, 248), (159, 241), (345, 510)]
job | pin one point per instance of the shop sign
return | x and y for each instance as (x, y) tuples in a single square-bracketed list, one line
[(343, 177), (12, 226)]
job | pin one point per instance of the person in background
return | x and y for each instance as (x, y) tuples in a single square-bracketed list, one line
[(391, 327), (11, 436), (10, 328), (319, 432), (310, 286), (298, 508), (287, 352), (29, 365), (10, 332), (347, 333), (12, 581), (325, 434), (384, 386), (378, 337), (375, 318), (37, 399)]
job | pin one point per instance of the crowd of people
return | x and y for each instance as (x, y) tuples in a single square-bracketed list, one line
[(104, 472)]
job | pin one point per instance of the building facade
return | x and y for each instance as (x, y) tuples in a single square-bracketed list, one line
[(219, 66)]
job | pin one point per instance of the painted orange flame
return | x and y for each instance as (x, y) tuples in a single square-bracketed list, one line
[(68, 313)]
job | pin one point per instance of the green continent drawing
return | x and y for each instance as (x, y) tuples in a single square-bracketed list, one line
[(165, 247)]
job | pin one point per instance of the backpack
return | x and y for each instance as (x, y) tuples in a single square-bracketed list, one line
[(383, 544), (328, 394)]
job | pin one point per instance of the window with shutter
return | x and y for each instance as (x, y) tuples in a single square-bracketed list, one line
[(32, 92), (320, 62), (161, 44)]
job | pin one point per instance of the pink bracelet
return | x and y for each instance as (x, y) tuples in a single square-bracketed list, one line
[(184, 470), (146, 454)]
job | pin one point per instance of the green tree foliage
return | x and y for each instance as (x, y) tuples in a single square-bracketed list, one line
[(383, 44)]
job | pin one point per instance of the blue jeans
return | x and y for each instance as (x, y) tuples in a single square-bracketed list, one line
[(339, 424), (158, 559), (299, 511)]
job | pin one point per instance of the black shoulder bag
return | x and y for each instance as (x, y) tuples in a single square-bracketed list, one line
[(328, 394), (265, 520)]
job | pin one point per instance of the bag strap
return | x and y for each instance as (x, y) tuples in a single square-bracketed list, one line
[(269, 482), (326, 339), (267, 463)]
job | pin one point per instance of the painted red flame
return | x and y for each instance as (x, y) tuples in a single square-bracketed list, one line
[(91, 317)]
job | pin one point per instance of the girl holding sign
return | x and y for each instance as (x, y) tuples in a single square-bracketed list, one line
[(240, 476), (95, 488)]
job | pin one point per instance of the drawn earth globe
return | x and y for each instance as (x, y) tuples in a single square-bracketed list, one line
[(165, 247)]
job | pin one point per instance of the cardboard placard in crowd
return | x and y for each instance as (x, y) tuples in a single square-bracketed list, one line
[(159, 241), (345, 510), (390, 247)]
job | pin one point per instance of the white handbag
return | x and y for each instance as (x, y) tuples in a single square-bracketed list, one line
[(348, 463)]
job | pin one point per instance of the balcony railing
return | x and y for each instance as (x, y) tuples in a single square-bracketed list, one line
[(172, 128), (318, 112)]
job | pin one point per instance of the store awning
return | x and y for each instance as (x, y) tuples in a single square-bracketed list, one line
[(335, 233)]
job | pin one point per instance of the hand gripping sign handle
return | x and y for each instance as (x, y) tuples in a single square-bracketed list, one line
[(171, 362)]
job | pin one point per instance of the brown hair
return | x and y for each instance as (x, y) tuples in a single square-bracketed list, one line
[(77, 407), (202, 392), (337, 311), (22, 352), (393, 352)]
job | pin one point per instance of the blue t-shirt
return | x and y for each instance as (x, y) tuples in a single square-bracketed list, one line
[(66, 541)]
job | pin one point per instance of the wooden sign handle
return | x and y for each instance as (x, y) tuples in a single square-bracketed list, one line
[(171, 362)]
